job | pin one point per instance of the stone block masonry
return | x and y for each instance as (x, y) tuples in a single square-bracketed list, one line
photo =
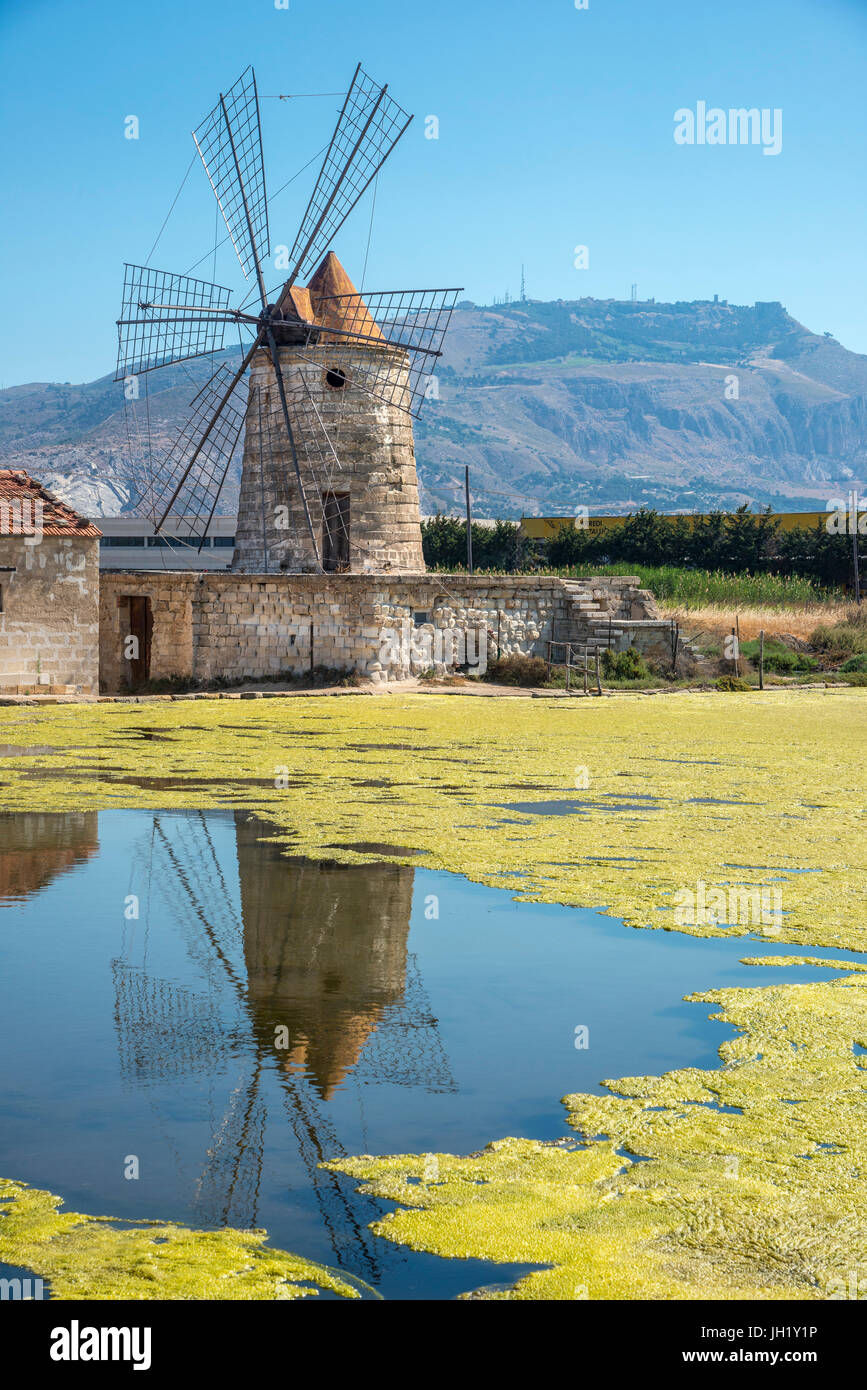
[(49, 628), (245, 626), (376, 472)]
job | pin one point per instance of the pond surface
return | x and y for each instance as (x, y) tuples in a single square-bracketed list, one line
[(174, 989)]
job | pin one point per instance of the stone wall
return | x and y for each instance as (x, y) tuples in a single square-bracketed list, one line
[(172, 596), (49, 626), (233, 625)]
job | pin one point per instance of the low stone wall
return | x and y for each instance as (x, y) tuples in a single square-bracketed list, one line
[(217, 624), (49, 629)]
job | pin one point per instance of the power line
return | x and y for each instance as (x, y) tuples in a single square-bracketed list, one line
[(280, 190), (171, 209), (296, 96)]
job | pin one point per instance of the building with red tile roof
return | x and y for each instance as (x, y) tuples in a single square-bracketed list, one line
[(49, 592), (22, 496)]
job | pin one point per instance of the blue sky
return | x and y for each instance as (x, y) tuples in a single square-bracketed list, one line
[(556, 130)]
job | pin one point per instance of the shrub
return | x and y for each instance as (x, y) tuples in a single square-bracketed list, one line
[(778, 657), (844, 639), (624, 666), (169, 685), (517, 670), (731, 683), (857, 663), (724, 557)]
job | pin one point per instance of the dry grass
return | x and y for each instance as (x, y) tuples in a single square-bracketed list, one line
[(720, 618)]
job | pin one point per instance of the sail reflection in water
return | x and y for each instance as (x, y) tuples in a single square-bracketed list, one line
[(306, 973)]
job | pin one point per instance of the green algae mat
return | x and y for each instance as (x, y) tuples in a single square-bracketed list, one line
[(707, 814), (93, 1257)]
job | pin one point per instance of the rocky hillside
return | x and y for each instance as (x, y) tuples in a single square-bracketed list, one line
[(599, 403)]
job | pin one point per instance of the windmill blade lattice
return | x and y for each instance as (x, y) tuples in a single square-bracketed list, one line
[(406, 1049), (192, 475), (227, 1192), (229, 141), (368, 128), (410, 322), (168, 318), (162, 1031), (319, 470)]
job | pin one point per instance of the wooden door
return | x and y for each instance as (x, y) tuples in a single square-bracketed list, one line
[(140, 627), (335, 531)]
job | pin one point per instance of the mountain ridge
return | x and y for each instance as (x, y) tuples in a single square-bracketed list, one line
[(553, 405)]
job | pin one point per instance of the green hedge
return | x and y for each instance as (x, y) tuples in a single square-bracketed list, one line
[(716, 546)]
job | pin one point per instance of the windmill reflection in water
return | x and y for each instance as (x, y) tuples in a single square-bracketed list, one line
[(311, 981)]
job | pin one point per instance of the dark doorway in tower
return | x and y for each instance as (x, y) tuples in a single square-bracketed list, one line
[(335, 531)]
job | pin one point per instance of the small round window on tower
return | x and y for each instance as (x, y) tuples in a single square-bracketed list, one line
[(335, 378)]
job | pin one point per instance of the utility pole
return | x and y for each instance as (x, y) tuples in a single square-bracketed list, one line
[(523, 286), (469, 520), (853, 521)]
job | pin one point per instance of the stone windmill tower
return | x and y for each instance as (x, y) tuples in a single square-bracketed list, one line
[(334, 379), (365, 485)]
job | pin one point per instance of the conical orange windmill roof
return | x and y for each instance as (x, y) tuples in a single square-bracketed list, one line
[(349, 314)]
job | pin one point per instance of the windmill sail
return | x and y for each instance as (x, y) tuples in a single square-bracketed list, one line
[(368, 128), (414, 322), (192, 474), (296, 469), (168, 318), (229, 141)]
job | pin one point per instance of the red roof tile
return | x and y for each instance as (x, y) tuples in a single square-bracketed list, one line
[(57, 518)]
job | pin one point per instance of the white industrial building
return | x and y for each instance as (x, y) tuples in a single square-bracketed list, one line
[(130, 543)]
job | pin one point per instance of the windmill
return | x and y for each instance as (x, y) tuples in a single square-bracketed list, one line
[(328, 473)]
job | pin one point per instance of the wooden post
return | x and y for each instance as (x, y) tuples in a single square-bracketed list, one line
[(568, 646), (598, 676), (549, 653), (585, 668), (737, 647), (762, 659)]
